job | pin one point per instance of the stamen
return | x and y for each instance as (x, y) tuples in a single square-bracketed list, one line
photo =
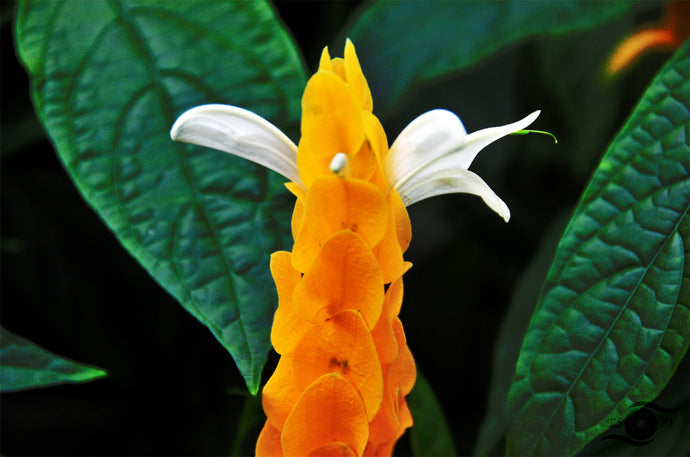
[(340, 165)]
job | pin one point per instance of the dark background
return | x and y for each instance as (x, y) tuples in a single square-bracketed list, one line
[(70, 287)]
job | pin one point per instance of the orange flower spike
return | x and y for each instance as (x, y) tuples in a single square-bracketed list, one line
[(340, 385), (668, 35)]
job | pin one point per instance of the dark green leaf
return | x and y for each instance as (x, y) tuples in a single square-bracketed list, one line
[(403, 44), (430, 434), (667, 428), (611, 325), (24, 365), (108, 80)]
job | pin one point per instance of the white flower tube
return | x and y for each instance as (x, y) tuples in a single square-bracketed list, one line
[(239, 132), (431, 156)]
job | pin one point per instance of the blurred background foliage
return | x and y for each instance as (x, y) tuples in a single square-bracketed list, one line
[(69, 286)]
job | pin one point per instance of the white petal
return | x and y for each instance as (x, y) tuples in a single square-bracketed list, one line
[(432, 154), (453, 181), (239, 132), (427, 138), (461, 159), (480, 139)]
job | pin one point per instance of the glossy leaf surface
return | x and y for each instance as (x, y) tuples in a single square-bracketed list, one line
[(24, 365), (611, 325), (108, 80), (425, 40)]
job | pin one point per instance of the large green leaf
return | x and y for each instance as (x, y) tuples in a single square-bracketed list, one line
[(403, 44), (611, 325), (430, 434), (109, 78), (24, 365)]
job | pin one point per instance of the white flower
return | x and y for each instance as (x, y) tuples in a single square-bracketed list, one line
[(431, 156)]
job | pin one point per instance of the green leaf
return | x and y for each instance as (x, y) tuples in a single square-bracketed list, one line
[(667, 428), (430, 434), (611, 325), (404, 44), (108, 80), (24, 365)]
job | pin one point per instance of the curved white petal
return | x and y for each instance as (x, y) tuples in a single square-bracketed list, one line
[(432, 154), (239, 132), (437, 141), (453, 181), (461, 159), (476, 141), (427, 138)]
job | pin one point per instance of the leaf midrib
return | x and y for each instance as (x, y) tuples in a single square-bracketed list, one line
[(608, 331), (139, 46)]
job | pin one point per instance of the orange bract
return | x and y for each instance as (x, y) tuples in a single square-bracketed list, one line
[(268, 444), (403, 371), (329, 410), (345, 275), (388, 252), (339, 387), (342, 344), (288, 327), (384, 336), (330, 124), (355, 78), (335, 449), (280, 393), (336, 204)]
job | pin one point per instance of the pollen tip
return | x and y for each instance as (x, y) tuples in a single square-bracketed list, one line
[(339, 164)]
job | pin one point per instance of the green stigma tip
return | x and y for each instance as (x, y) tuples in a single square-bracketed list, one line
[(525, 132)]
